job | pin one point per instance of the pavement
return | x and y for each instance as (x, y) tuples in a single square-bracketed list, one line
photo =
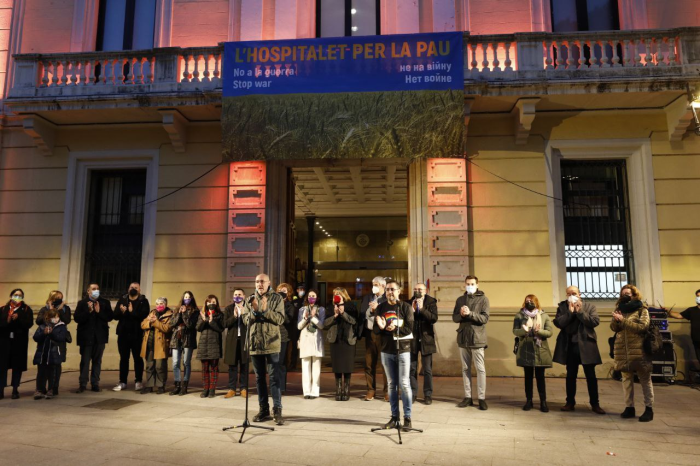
[(117, 428)]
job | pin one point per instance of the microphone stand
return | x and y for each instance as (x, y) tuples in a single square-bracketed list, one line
[(398, 367), (246, 423)]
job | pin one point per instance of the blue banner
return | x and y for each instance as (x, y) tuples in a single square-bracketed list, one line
[(406, 62)]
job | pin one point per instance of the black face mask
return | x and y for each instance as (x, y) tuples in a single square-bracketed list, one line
[(57, 302), (133, 292), (417, 294), (283, 294), (211, 306), (625, 299), (530, 306)]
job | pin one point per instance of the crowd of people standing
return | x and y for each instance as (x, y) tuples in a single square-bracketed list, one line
[(265, 327)]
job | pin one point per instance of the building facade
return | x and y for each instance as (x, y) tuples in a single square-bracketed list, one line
[(582, 164)]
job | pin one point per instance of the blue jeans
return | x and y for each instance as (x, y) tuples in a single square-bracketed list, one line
[(398, 369), (262, 364), (282, 366), (184, 355)]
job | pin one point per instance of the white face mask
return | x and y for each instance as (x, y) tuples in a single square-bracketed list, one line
[(301, 293), (697, 299), (573, 299), (375, 289), (471, 289), (55, 320)]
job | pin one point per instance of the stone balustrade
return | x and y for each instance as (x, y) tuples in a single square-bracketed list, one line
[(520, 57)]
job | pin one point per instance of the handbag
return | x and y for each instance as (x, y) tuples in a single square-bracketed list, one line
[(516, 346)]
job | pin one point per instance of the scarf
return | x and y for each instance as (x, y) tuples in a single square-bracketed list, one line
[(312, 327), (12, 309), (630, 306), (534, 319)]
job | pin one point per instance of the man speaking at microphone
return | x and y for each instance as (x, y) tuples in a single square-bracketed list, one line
[(394, 323)]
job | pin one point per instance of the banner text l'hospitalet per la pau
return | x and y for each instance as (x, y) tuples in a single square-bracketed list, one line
[(344, 97)]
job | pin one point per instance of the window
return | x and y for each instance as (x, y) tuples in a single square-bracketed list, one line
[(126, 25), (598, 243), (114, 230), (584, 15), (335, 18)]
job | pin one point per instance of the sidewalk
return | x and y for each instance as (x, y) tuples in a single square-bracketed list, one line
[(162, 429)]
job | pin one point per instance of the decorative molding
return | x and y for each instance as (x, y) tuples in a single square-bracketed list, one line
[(679, 114), (524, 115), (42, 131), (176, 126), (642, 199)]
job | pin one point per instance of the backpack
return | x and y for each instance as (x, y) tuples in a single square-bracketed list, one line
[(652, 338)]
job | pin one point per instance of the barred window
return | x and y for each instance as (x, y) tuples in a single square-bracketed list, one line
[(337, 18)]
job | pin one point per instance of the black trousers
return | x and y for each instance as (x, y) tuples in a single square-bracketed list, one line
[(538, 372), (91, 356), (16, 378), (128, 348), (237, 372), (427, 363), (573, 360), (45, 373)]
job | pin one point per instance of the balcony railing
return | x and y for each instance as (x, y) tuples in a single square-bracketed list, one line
[(533, 57)]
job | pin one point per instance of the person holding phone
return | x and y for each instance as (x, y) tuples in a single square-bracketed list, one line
[(340, 329), (210, 325)]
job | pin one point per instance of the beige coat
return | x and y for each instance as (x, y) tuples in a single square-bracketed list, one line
[(161, 343), (629, 342)]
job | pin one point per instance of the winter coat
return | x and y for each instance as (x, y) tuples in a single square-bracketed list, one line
[(65, 316), (231, 322), (209, 346), (423, 331), (93, 327), (366, 316), (529, 353), (14, 337), (48, 346), (629, 341), (585, 323), (129, 325), (184, 328), (290, 322), (343, 324), (265, 335), (161, 342), (404, 315), (472, 328), (311, 343)]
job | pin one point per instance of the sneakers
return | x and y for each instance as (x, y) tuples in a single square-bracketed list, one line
[(119, 387), (465, 402), (262, 416), (39, 396), (392, 424), (138, 386), (482, 405), (370, 395), (230, 394), (406, 424), (277, 416), (528, 405), (628, 413), (49, 395), (647, 416)]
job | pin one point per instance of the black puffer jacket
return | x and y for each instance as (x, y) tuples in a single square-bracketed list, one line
[(184, 327), (93, 327), (209, 346)]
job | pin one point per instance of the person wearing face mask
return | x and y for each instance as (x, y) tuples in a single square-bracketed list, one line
[(130, 311), (425, 314), (368, 309), (630, 323), (394, 322), (183, 341), (49, 338), (234, 355), (471, 312), (533, 327), (290, 318), (55, 302), (16, 318), (264, 313), (310, 325), (92, 314), (693, 315), (292, 350), (155, 348), (340, 328), (577, 345), (210, 324)]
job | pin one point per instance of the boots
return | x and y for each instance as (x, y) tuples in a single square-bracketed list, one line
[(543, 405), (277, 416), (183, 388), (176, 390), (205, 393), (628, 413), (338, 389), (346, 389), (647, 416), (262, 416), (528, 405)]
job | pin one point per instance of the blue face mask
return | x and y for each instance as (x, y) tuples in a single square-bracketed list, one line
[(94, 294)]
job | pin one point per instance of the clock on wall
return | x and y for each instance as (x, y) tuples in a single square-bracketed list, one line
[(362, 240)]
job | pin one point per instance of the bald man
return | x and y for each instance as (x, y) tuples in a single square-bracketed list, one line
[(577, 345)]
